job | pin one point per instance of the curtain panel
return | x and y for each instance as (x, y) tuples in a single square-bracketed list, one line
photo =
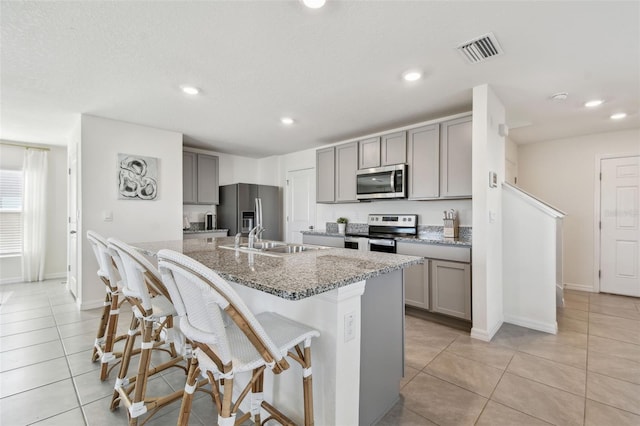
[(34, 214)]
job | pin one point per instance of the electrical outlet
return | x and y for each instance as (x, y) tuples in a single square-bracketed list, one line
[(349, 326)]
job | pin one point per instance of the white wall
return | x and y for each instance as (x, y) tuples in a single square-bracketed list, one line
[(56, 260), (133, 220), (511, 162), (562, 173), (488, 155)]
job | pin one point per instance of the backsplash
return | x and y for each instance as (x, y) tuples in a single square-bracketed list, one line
[(352, 228), (196, 226)]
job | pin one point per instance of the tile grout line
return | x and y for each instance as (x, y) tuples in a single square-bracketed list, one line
[(73, 382)]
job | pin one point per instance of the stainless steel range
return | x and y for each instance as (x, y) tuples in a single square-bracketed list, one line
[(385, 228)]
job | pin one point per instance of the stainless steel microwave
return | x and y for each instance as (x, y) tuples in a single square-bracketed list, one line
[(382, 182)]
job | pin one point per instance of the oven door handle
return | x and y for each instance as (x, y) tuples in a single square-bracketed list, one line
[(386, 243)]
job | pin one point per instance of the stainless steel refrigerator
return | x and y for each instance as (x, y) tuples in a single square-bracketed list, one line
[(236, 210)]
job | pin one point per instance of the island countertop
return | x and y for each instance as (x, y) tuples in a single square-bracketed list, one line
[(292, 276)]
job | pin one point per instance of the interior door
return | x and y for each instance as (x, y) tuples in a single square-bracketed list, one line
[(620, 231), (301, 203), (72, 212)]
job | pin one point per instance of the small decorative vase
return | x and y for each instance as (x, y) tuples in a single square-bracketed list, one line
[(341, 228)]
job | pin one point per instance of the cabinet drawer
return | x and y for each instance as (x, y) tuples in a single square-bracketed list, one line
[(436, 251)]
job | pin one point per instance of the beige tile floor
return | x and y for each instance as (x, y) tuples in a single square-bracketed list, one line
[(587, 374)]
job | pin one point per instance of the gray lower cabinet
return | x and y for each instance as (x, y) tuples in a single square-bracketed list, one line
[(323, 240), (451, 288), (416, 285), (326, 175), (200, 183), (423, 158), (443, 283), (455, 158)]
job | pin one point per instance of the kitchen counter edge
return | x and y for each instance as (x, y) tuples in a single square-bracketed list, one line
[(429, 239)]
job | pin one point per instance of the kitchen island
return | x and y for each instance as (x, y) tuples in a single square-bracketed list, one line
[(356, 301)]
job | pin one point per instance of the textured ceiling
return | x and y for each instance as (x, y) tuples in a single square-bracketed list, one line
[(336, 70)]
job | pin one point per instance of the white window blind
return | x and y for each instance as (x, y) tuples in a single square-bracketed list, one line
[(10, 212)]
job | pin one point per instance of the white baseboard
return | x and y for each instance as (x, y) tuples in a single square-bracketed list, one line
[(52, 276), (91, 304), (579, 287), (533, 324), (55, 276), (485, 335)]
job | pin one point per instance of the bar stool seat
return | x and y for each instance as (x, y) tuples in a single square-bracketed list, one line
[(229, 339), (153, 313), (106, 336)]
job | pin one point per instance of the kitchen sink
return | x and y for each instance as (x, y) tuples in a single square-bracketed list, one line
[(291, 248), (272, 248)]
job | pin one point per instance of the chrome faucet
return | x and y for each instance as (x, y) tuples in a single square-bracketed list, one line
[(255, 234)]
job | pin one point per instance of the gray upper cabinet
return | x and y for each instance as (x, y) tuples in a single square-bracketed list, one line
[(189, 178), (346, 168), (424, 162), (199, 179), (455, 162), (393, 149), (383, 151), (369, 153), (325, 175), (208, 179)]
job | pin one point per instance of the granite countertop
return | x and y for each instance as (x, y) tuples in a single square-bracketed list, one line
[(199, 231), (290, 276), (424, 237)]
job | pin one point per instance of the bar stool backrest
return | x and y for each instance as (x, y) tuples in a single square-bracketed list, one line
[(141, 276), (105, 266), (200, 296)]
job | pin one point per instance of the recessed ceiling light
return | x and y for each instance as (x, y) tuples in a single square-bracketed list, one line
[(314, 4), (412, 75), (593, 103), (562, 96), (288, 121), (618, 116), (190, 90)]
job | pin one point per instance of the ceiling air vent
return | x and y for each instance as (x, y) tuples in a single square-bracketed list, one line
[(480, 48)]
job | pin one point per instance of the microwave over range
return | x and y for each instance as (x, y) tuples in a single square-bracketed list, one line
[(382, 182)]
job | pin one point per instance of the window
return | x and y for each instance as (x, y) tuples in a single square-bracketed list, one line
[(10, 212)]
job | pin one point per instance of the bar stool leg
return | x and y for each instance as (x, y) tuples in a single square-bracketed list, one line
[(256, 395), (107, 353), (126, 359), (189, 389), (102, 326), (137, 404), (307, 385)]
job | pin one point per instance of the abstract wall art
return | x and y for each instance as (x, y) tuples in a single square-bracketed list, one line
[(137, 177)]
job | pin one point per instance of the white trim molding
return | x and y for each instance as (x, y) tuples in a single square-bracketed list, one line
[(579, 287), (535, 325)]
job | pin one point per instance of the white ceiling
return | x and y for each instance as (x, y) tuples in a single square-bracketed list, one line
[(336, 70)]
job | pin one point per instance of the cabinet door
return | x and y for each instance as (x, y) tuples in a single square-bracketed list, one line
[(393, 149), (369, 153), (416, 285), (325, 175), (208, 179), (189, 178), (423, 159), (346, 168), (455, 163), (451, 288)]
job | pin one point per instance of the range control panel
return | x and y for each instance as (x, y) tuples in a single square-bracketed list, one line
[(404, 220)]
